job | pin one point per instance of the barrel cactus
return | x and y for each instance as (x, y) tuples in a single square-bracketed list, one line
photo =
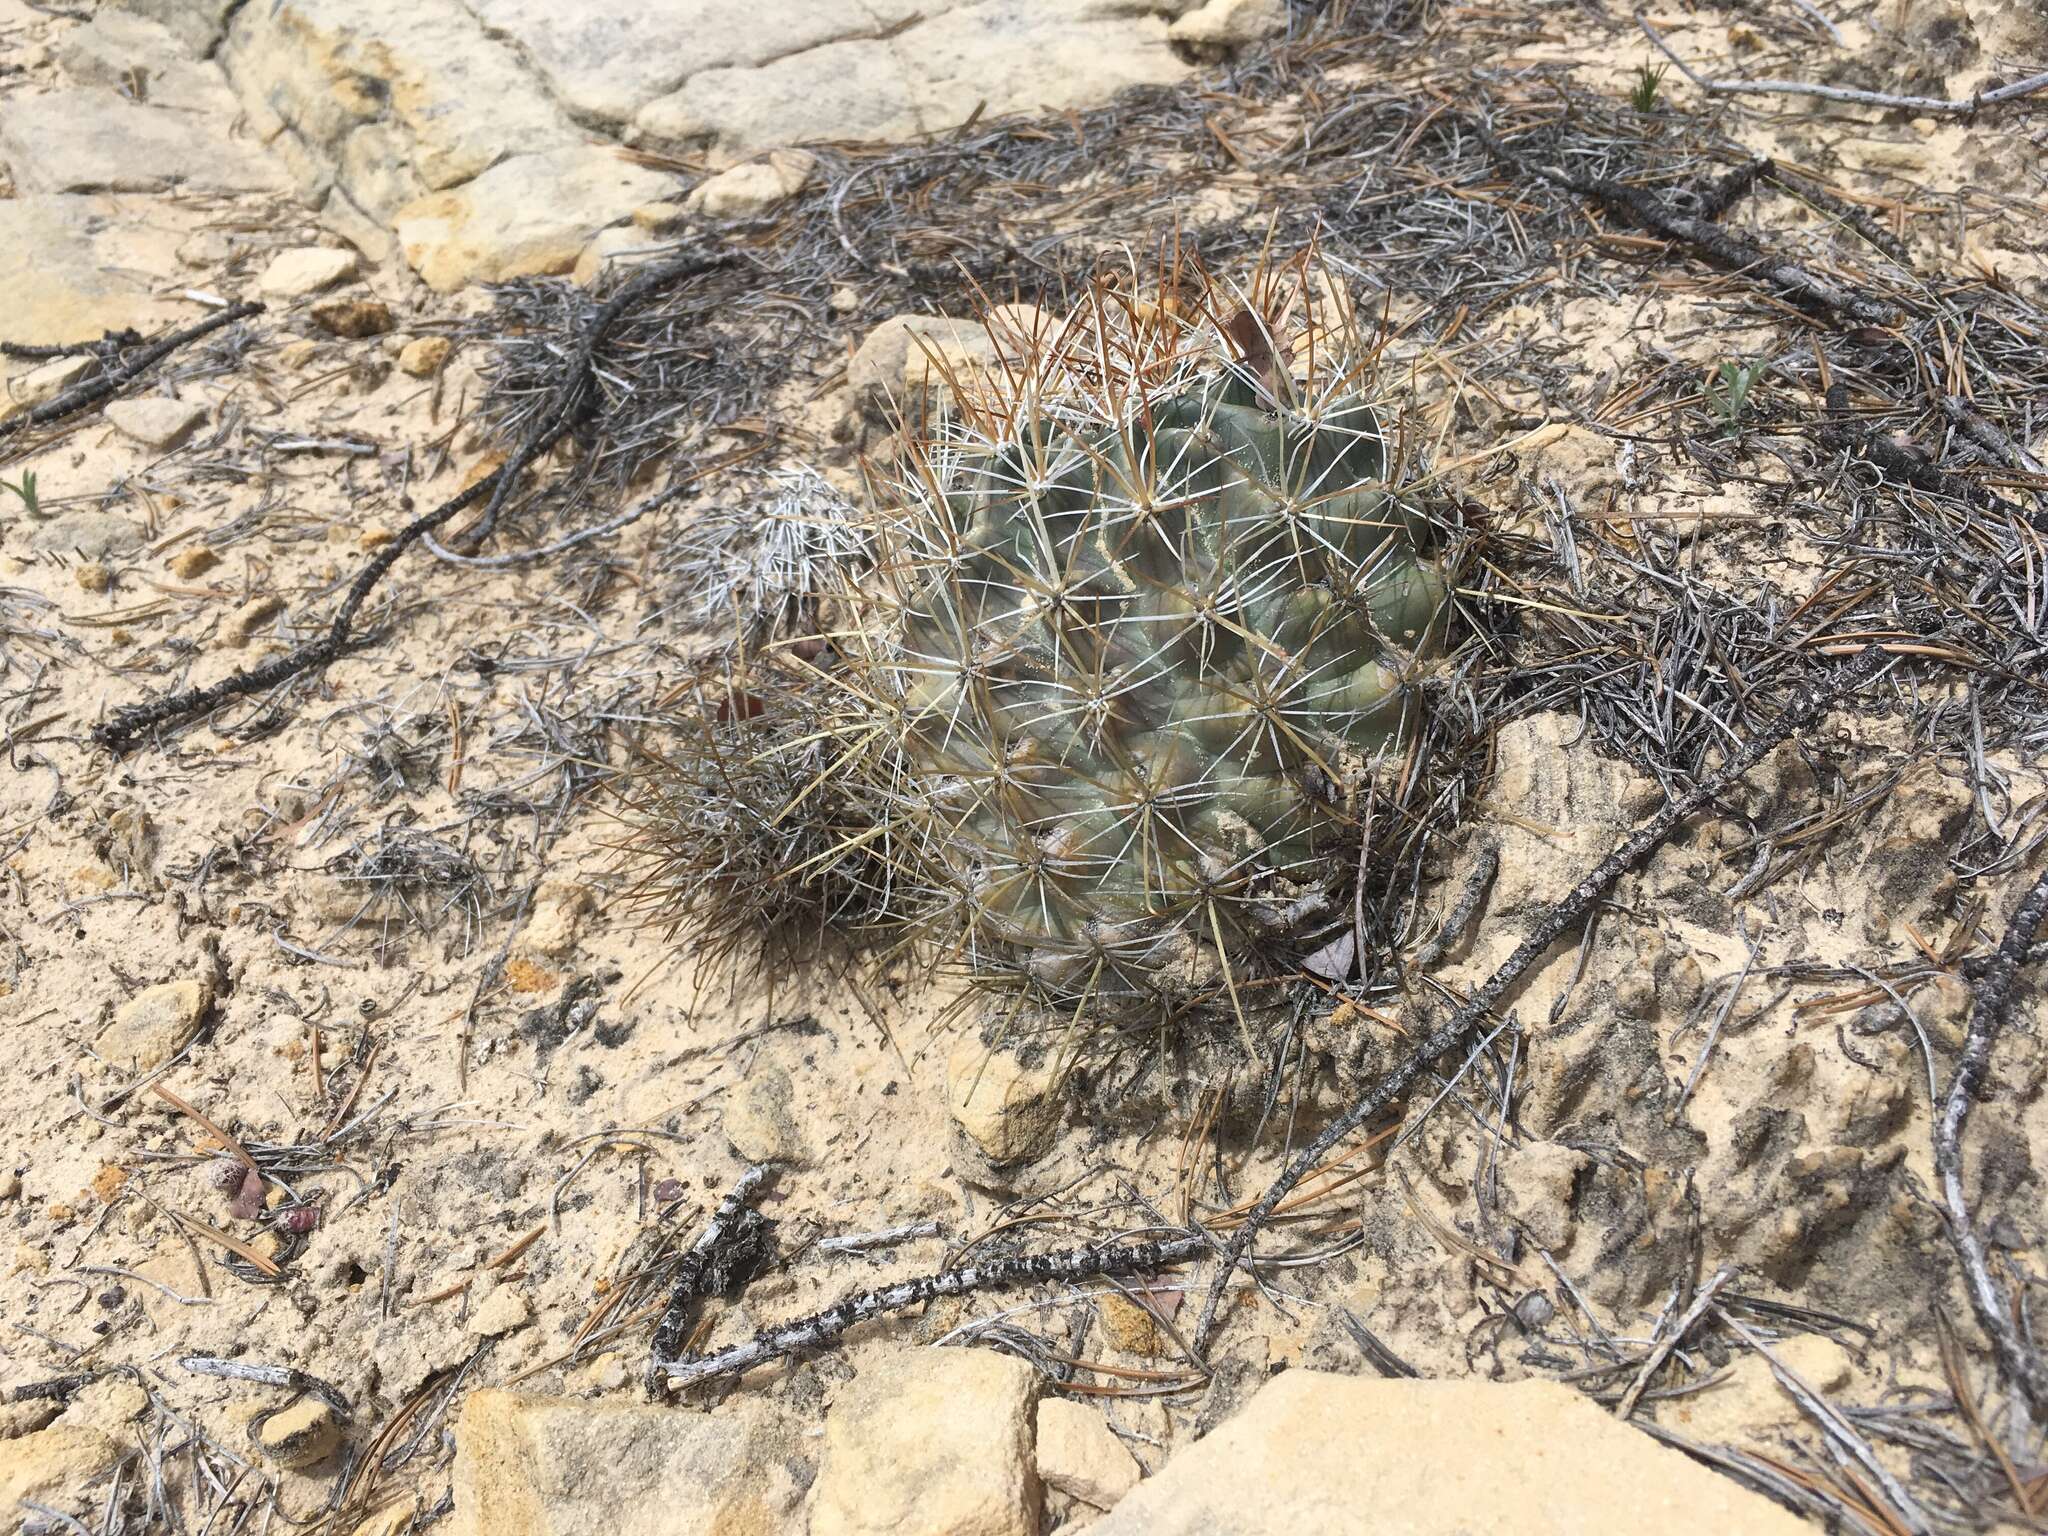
[(1146, 613)]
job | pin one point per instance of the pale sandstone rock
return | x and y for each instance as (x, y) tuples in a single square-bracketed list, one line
[(40, 385), (241, 626), (529, 216), (1005, 56), (609, 245), (155, 421), (112, 1405), (1221, 27), (1317, 1452), (340, 215), (1008, 1111), (750, 190), (504, 1311), (387, 99), (557, 921), (301, 1436), (191, 564), (1079, 1454), (538, 1466), (424, 356), (58, 268), (908, 359), (205, 249), (876, 370), (197, 24), (761, 1123), (931, 1442), (91, 139), (89, 532), (295, 355), (18, 1419), (660, 218), (309, 269), (154, 1025), (120, 49), (605, 59), (53, 1465)]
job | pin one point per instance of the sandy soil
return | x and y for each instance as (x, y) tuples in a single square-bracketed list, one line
[(399, 904)]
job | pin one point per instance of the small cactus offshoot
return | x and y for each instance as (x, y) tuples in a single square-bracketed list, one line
[(1148, 609)]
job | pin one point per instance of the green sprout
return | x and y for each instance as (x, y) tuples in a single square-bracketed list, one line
[(1729, 390), (1649, 81), (26, 490)]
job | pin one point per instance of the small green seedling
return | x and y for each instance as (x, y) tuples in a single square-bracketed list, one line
[(26, 490), (1649, 81), (1729, 390)]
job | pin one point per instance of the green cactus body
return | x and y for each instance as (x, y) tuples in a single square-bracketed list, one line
[(1139, 657)]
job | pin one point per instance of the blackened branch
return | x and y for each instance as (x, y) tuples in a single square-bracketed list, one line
[(822, 1328), (2018, 1362), (571, 399), (1729, 249), (118, 374)]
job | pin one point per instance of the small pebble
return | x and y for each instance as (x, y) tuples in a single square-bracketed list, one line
[(189, 563), (293, 274), (352, 318), (303, 1435), (243, 623), (424, 356)]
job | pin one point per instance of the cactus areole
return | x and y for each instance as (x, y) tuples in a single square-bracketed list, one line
[(1148, 637)]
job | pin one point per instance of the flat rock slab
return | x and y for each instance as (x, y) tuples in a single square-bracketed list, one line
[(197, 24), (540, 1466), (606, 59), (64, 275), (386, 99), (121, 50), (155, 421), (88, 532), (529, 216), (931, 1442), (1001, 56), (92, 139), (1317, 1452), (371, 106), (309, 269)]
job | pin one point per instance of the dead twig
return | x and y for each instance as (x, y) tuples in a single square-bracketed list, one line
[(2018, 1362), (121, 732), (729, 1249), (822, 1328), (1960, 106), (1666, 1343), (118, 376), (1728, 249)]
